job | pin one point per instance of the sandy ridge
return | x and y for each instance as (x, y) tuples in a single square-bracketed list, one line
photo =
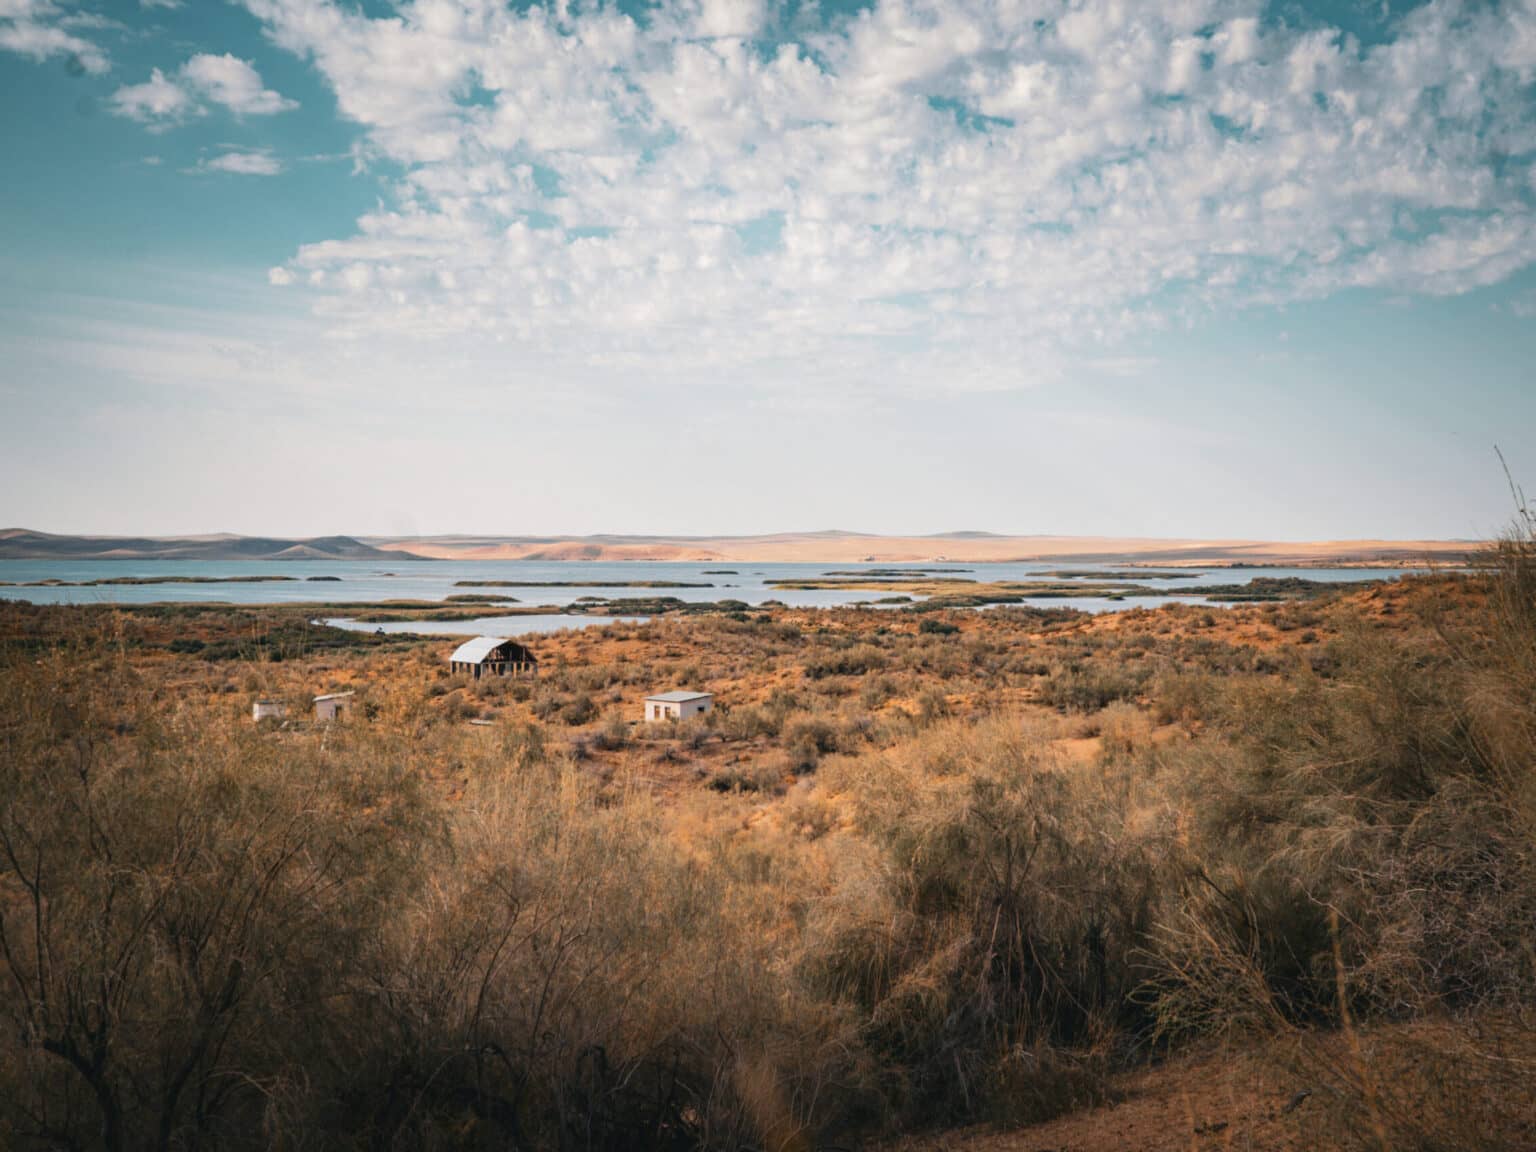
[(967, 548)]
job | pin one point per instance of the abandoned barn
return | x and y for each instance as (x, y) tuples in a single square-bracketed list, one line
[(492, 656), (677, 705)]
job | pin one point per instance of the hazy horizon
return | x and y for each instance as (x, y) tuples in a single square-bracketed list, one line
[(960, 535)]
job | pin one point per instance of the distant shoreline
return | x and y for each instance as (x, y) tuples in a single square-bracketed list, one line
[(808, 547), (978, 548)]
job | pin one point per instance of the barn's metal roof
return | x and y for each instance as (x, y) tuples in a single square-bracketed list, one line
[(680, 697), (334, 696), (476, 650)]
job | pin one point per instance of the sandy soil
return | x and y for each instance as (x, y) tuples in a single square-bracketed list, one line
[(1436, 1083), (1216, 1100), (816, 547)]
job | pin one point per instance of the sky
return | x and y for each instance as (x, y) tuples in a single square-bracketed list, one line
[(1194, 268)]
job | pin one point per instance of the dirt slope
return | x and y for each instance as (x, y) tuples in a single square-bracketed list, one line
[(1430, 1084)]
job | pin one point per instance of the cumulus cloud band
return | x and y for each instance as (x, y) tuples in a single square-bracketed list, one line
[(1002, 179)]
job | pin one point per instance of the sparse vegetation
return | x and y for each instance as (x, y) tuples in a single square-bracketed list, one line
[(918, 868)]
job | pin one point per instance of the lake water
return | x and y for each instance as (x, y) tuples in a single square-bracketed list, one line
[(352, 581), (483, 625)]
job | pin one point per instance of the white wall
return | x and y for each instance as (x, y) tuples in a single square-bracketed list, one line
[(331, 709), (670, 710)]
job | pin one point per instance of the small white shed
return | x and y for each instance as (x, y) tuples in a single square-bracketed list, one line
[(677, 705), (333, 706), (268, 710)]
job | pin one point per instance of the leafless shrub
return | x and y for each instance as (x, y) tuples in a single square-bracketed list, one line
[(1007, 920)]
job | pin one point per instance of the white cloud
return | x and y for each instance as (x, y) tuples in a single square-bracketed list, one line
[(1523, 306), (43, 29), (955, 192), (205, 79), (730, 18), (233, 83), (254, 163), (156, 100)]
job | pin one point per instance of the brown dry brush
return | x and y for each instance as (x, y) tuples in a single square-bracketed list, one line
[(171, 901), (224, 937), (1366, 851), (221, 937), (992, 965), (1393, 796), (1350, 843)]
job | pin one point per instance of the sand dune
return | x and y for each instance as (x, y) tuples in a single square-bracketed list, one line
[(790, 547), (953, 548)]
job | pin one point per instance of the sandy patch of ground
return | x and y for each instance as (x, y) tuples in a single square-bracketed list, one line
[(816, 547), (1431, 1084)]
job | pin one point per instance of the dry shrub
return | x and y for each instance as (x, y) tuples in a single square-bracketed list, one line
[(932, 706), (573, 982), (767, 776), (876, 691), (614, 734), (1125, 730), (1010, 900), (1498, 664), (579, 710), (807, 740), (855, 660), (1184, 697), (1030, 1085), (1087, 688), (229, 937), (1380, 814), (171, 898)]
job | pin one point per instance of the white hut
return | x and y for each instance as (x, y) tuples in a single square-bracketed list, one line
[(333, 706), (492, 656), (677, 705), (268, 710)]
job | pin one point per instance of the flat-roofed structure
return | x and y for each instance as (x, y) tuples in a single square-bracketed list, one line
[(493, 656), (677, 705), (333, 706)]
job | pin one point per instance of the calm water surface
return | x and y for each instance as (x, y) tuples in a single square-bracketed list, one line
[(483, 625), (368, 580)]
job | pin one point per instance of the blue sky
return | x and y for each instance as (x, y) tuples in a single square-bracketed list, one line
[(1207, 268)]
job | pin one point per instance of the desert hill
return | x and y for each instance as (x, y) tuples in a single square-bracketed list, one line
[(788, 547), (965, 547), (24, 544)]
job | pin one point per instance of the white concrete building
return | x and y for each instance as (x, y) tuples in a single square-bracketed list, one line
[(268, 710), (333, 706), (677, 705)]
